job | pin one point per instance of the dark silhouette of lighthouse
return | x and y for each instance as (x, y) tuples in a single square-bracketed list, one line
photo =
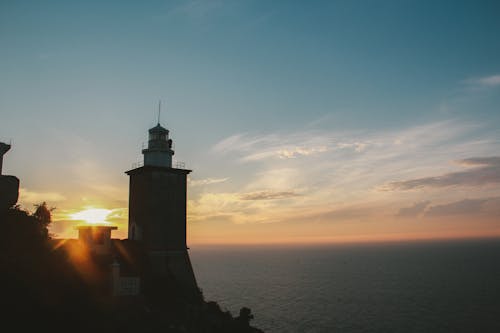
[(157, 210)]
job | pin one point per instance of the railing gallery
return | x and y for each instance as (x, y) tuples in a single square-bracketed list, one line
[(177, 165)]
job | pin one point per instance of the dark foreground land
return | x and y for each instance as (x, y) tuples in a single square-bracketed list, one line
[(47, 289)]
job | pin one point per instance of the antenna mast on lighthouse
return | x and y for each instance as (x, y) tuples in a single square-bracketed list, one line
[(159, 111)]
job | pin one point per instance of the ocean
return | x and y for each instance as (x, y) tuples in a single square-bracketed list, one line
[(451, 286)]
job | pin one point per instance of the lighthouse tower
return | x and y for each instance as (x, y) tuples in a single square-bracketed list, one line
[(157, 210)]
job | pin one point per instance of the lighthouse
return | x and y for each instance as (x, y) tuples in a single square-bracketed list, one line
[(157, 210)]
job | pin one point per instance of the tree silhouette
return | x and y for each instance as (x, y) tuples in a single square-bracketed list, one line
[(44, 215), (245, 316)]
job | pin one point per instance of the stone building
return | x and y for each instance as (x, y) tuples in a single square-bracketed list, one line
[(97, 238)]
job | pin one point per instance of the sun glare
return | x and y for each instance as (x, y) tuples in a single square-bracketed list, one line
[(92, 215)]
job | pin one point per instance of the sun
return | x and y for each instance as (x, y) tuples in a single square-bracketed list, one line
[(92, 215)]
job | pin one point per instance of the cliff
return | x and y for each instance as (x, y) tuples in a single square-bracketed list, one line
[(47, 286)]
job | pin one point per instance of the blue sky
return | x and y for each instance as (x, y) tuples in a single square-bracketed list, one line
[(255, 92)]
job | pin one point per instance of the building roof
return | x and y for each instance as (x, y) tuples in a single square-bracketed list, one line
[(158, 129), (4, 147), (147, 168)]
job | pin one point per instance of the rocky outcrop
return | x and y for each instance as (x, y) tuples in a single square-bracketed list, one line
[(9, 191)]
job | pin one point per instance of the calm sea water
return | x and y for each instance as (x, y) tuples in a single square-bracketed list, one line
[(413, 287)]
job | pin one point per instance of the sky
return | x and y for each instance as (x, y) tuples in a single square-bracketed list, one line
[(303, 121)]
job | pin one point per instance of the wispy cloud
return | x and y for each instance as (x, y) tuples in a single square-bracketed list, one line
[(328, 176), (206, 181), (301, 151), (484, 171), (32, 197), (350, 213), (462, 207), (268, 195), (314, 143), (480, 161), (351, 163), (287, 146), (486, 81), (118, 215), (213, 206), (415, 210)]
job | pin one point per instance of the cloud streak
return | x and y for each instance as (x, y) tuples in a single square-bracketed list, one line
[(27, 196), (415, 210), (486, 81), (207, 181), (332, 176), (462, 207), (268, 195), (484, 171), (489, 206), (301, 151), (286, 146), (323, 144)]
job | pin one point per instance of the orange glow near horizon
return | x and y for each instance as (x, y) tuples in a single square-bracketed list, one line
[(361, 239), (287, 231)]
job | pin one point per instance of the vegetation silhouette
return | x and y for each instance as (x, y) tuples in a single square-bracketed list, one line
[(45, 287)]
